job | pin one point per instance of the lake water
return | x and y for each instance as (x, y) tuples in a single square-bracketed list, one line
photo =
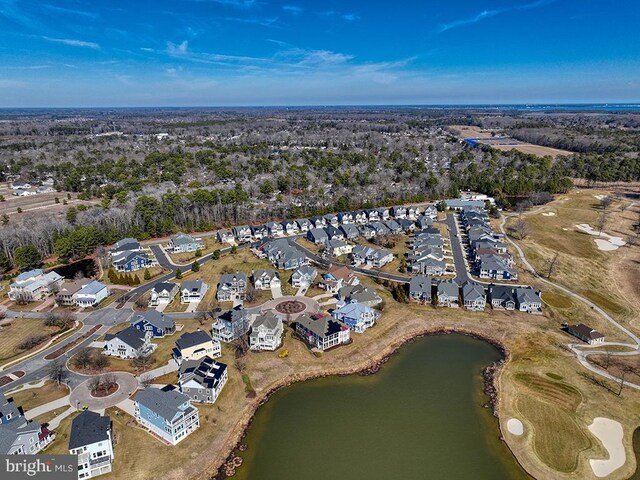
[(420, 417)]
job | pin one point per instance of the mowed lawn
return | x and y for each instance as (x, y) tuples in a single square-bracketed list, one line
[(13, 334), (581, 266), (550, 406), (34, 397)]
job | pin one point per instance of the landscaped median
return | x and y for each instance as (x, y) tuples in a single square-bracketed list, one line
[(68, 346)]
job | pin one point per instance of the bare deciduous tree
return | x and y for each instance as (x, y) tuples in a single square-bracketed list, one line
[(83, 358), (521, 228), (552, 264), (601, 222), (57, 371)]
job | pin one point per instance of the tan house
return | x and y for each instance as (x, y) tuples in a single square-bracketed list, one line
[(196, 345)]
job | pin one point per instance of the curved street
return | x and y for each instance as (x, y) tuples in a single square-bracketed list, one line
[(582, 351)]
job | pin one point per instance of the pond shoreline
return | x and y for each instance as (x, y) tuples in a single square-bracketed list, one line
[(489, 374)]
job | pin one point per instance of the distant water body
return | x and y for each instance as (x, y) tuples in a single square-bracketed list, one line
[(420, 417), (548, 107)]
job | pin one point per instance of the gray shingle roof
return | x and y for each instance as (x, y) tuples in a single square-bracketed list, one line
[(191, 339), (87, 428), (155, 318), (130, 335), (166, 403)]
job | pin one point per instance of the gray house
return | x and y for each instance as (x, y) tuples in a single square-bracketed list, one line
[(528, 300), (420, 289), (448, 293), (473, 296), (318, 236), (266, 332), (350, 231), (202, 380), (232, 286), (193, 291), (230, 324), (303, 276), (502, 297)]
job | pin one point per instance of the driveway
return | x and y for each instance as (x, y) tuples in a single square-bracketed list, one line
[(192, 307), (276, 292)]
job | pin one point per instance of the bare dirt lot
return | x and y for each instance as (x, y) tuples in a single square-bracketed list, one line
[(502, 142), (35, 203)]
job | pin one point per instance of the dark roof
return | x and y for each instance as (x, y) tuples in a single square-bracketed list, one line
[(155, 318), (130, 335), (168, 286), (191, 339), (583, 331), (206, 371), (87, 428)]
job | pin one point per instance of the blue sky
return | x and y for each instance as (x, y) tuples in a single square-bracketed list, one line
[(253, 52)]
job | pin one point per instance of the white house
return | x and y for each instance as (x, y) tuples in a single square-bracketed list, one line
[(128, 343), (34, 285), (266, 332), (193, 291), (91, 294), (265, 279), (303, 276), (91, 440)]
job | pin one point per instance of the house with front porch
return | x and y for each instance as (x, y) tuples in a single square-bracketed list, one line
[(399, 211), (357, 316), (317, 236), (193, 291), (34, 285), (163, 293), (154, 322), (183, 243), (195, 346), (91, 294), (337, 248), (202, 380), (350, 231), (265, 279), (232, 286), (242, 234), (322, 331), (448, 293), (303, 276), (290, 227), (359, 293), (528, 300), (332, 219), (225, 236), (318, 222), (128, 343), (167, 413), (304, 225), (275, 229), (346, 218), (266, 332), (473, 296), (502, 297), (230, 324)]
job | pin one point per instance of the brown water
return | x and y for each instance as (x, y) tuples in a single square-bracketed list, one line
[(420, 417)]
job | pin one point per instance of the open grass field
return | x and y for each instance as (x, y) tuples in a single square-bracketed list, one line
[(608, 278), (486, 137), (14, 333), (34, 397)]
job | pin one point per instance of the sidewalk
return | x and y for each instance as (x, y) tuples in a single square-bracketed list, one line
[(47, 407)]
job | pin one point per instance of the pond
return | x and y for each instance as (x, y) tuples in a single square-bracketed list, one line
[(422, 416), (87, 268)]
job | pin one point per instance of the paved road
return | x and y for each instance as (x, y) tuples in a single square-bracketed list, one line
[(462, 275), (582, 351), (323, 262)]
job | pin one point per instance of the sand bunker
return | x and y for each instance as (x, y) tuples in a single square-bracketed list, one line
[(549, 214), (610, 433), (607, 243), (515, 426), (600, 197)]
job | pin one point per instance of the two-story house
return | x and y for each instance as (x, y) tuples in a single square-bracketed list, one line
[(322, 331), (128, 343), (194, 346), (91, 440), (167, 413), (231, 324), (202, 380), (232, 286), (154, 322), (266, 332)]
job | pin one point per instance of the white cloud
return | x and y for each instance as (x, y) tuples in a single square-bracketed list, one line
[(490, 13), (72, 42), (293, 9)]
